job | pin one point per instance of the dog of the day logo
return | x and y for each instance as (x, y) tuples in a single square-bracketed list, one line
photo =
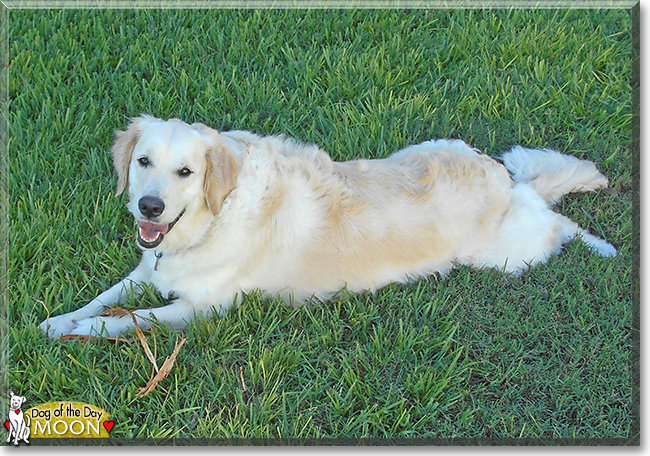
[(62, 419), (18, 423)]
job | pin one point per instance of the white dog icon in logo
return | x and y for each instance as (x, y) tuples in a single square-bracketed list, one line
[(18, 427)]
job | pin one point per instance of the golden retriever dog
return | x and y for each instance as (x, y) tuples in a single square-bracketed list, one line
[(224, 213)]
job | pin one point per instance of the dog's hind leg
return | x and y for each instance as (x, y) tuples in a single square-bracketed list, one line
[(571, 230), (532, 233), (27, 431), (552, 174)]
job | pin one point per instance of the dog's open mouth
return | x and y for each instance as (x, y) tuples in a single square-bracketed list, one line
[(150, 235)]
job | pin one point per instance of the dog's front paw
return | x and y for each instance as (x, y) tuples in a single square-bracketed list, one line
[(57, 326), (103, 326)]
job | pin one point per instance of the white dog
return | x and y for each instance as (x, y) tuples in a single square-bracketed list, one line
[(219, 214), (18, 427)]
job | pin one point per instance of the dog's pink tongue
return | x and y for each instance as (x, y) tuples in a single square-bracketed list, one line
[(151, 230)]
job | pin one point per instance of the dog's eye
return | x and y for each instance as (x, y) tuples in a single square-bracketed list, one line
[(144, 161), (184, 172)]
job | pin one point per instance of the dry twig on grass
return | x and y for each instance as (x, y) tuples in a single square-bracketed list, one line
[(241, 377), (163, 372), (143, 342), (47, 319), (114, 312), (83, 338), (247, 394)]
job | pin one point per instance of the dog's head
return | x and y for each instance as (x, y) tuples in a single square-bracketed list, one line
[(177, 176), (15, 402)]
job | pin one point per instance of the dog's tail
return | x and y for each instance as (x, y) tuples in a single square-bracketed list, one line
[(551, 173)]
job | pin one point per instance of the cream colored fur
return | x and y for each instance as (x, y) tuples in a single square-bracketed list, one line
[(273, 214)]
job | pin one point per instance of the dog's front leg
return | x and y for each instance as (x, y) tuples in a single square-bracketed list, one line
[(175, 315), (64, 324), (19, 432)]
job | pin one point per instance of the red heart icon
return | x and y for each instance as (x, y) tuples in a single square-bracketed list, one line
[(17, 412), (109, 425), (7, 425)]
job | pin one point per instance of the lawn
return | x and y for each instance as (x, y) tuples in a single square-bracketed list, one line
[(479, 357)]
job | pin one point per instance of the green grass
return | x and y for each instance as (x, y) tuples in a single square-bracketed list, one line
[(478, 355)]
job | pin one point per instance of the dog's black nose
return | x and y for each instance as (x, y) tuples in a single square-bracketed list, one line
[(150, 206)]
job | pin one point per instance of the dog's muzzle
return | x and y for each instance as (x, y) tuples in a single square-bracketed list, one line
[(150, 235)]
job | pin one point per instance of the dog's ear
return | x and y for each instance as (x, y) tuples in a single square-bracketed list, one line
[(125, 142), (221, 171), (23, 399)]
